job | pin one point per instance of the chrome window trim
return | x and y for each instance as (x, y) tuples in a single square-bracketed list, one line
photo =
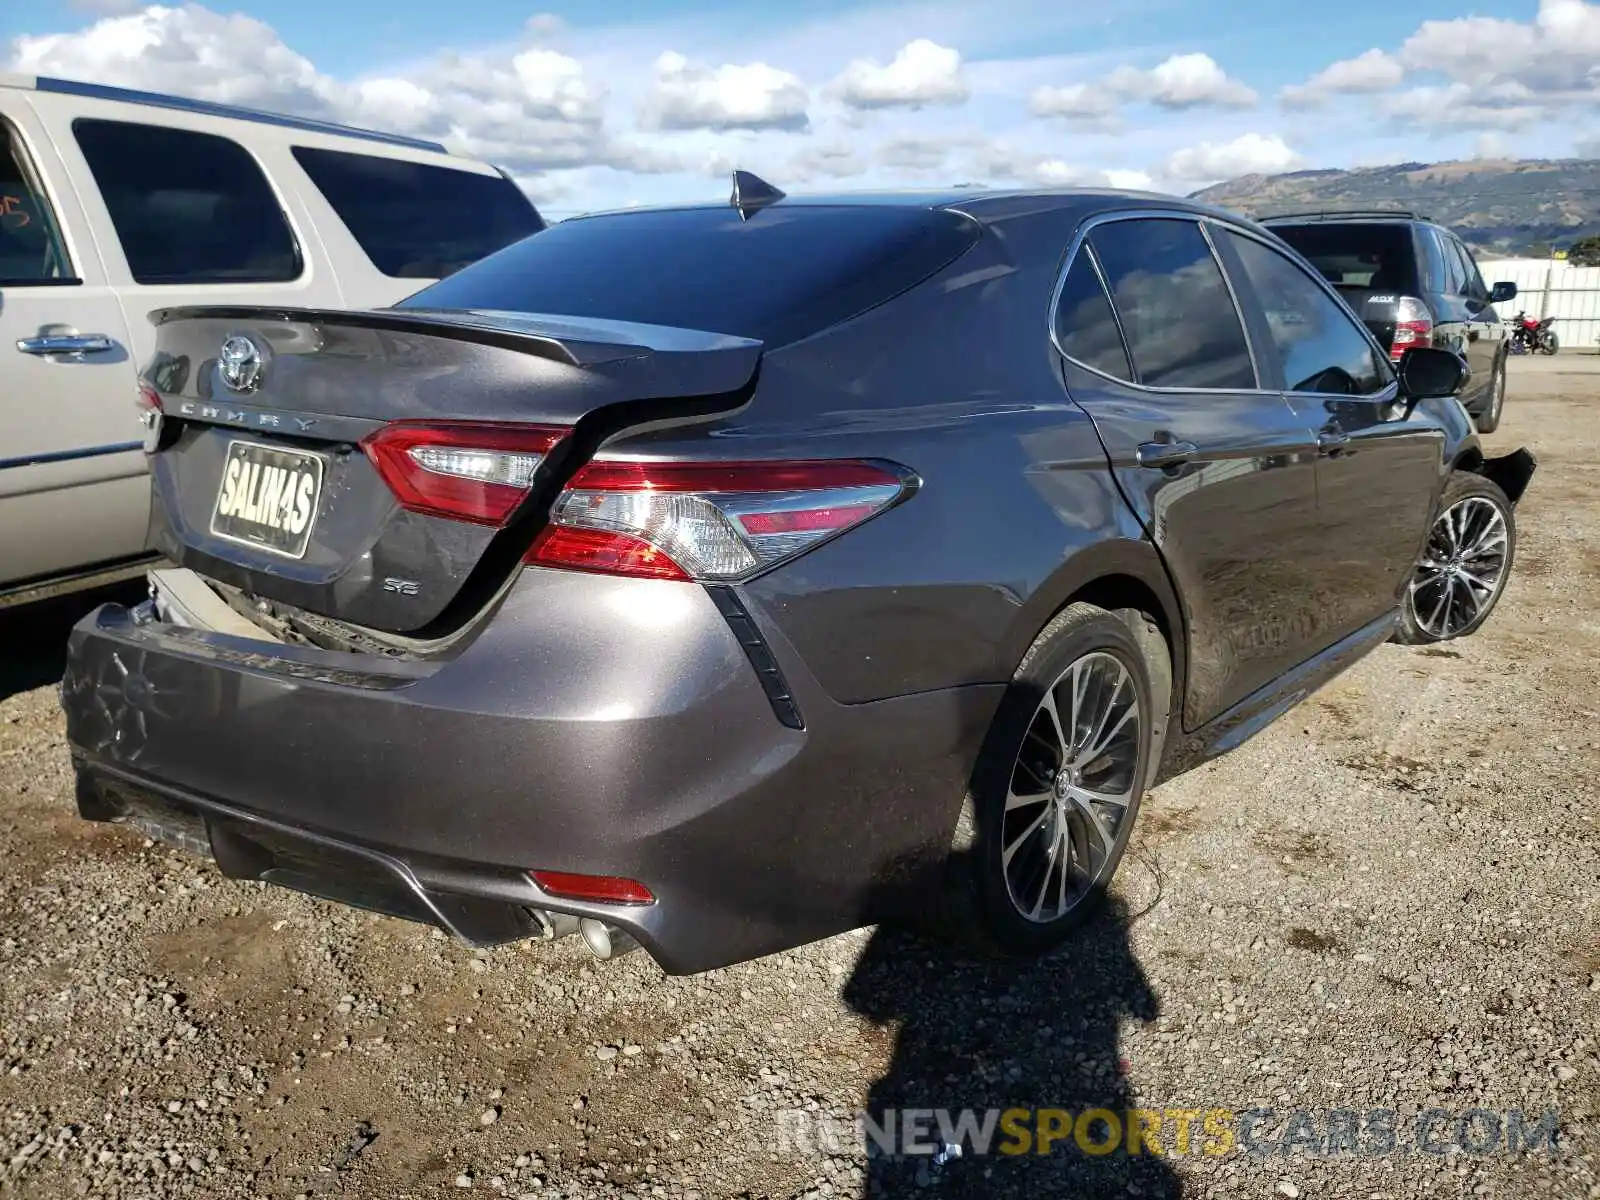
[(1149, 214), (1332, 293)]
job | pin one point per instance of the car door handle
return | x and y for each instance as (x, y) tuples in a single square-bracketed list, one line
[(67, 343), (1332, 442), (1165, 454)]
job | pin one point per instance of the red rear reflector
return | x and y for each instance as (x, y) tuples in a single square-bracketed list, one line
[(464, 470), (606, 888), (709, 521)]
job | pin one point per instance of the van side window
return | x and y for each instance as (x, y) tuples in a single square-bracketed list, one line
[(188, 207), (1180, 321), (30, 242), (1086, 328), (416, 220)]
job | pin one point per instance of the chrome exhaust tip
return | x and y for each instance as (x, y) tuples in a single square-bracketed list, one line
[(605, 942)]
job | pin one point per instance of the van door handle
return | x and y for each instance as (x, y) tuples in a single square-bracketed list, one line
[(67, 343), (1165, 454), (1332, 442)]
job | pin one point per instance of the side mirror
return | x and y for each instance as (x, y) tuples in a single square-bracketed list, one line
[(1501, 292), (1427, 373)]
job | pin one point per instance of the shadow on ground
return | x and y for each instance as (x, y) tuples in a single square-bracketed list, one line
[(33, 638), (990, 1035)]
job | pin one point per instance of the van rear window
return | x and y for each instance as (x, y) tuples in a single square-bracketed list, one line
[(784, 273), (416, 220)]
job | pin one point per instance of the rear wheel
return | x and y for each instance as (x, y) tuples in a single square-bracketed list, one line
[(1465, 565), (1489, 419), (1549, 343), (1058, 786)]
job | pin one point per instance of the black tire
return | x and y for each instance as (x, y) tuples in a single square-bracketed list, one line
[(1419, 622), (977, 909), (1489, 419), (1549, 343)]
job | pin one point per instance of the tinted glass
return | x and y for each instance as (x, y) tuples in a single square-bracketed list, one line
[(188, 207), (1472, 282), (1180, 322), (1356, 257), (1319, 344), (787, 272), (417, 221), (1455, 271), (30, 247), (1086, 328)]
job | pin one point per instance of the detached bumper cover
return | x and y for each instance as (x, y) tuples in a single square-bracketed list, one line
[(601, 726)]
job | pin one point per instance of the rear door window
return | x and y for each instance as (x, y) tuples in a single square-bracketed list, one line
[(1471, 281), (1174, 306), (1086, 328), (188, 207), (1319, 344), (31, 250), (416, 220)]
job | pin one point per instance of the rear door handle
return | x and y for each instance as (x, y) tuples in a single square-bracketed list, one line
[(1331, 442), (66, 343), (1165, 454)]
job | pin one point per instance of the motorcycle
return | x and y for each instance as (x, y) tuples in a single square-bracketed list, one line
[(1529, 335)]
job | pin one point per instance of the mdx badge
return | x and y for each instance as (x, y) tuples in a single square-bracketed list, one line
[(241, 363)]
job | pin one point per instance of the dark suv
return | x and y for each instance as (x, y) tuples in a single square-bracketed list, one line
[(1414, 283), (721, 577)]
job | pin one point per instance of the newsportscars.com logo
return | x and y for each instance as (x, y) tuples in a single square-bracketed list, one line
[(945, 1134)]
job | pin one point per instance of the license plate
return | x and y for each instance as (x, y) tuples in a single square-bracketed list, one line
[(268, 497)]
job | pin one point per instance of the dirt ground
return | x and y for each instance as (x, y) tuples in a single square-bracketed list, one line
[(1388, 901)]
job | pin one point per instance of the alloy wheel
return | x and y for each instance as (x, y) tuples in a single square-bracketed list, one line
[(1462, 569), (1071, 787)]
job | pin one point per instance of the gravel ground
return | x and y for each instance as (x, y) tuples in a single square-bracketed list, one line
[(1389, 900)]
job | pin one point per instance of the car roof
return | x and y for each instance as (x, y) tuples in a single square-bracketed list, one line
[(100, 91), (979, 203)]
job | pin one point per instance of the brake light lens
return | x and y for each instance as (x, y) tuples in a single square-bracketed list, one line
[(611, 889), (709, 521), (474, 471), (1413, 326)]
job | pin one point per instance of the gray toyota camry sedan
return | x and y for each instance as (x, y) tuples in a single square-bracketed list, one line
[(716, 578)]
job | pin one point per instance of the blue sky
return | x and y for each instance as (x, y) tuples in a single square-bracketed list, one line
[(599, 105)]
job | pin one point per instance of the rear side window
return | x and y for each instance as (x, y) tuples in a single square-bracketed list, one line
[(785, 273), (1086, 328), (1174, 306), (30, 244), (416, 220), (188, 207), (1319, 344), (1372, 257)]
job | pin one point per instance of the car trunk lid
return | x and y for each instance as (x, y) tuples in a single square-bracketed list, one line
[(388, 469)]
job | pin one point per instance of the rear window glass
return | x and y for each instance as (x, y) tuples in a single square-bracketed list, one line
[(1086, 328), (188, 207), (416, 220), (1373, 258), (783, 274)]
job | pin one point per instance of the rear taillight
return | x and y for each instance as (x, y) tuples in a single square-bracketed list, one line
[(611, 889), (1413, 326), (708, 521), (467, 471)]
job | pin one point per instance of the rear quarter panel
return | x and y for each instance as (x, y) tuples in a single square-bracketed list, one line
[(958, 381)]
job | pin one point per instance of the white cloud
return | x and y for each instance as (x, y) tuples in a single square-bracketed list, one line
[(1090, 104), (1373, 71), (921, 73), (1182, 81), (1133, 181), (1555, 53), (1503, 106), (1248, 154), (732, 96)]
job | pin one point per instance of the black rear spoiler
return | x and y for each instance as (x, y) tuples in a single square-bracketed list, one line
[(576, 341)]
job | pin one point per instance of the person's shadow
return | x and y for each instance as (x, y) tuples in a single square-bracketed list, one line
[(985, 1035)]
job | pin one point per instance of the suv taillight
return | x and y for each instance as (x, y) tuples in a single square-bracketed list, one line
[(708, 521), (1413, 326), (476, 471)]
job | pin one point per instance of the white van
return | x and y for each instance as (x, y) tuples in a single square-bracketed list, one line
[(115, 203)]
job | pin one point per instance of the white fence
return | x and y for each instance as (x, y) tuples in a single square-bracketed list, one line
[(1548, 288)]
